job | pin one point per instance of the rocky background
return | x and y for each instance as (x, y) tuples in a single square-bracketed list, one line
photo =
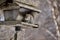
[(47, 27)]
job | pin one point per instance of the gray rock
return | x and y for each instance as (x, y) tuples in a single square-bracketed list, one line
[(6, 32)]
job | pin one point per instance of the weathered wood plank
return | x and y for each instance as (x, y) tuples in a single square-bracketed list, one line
[(21, 24), (30, 2), (28, 7)]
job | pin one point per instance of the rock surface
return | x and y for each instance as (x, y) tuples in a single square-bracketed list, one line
[(46, 30)]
